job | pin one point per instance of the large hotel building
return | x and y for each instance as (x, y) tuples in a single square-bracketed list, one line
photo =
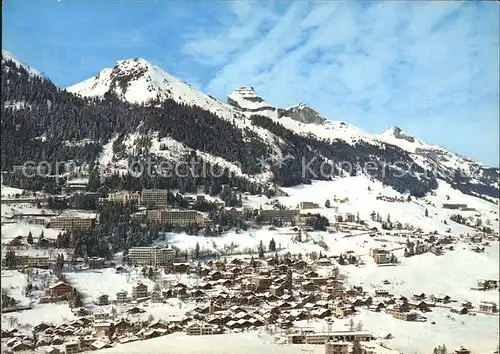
[(176, 217), (152, 256), (154, 197), (73, 221)]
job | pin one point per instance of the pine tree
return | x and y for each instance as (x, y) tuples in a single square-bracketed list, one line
[(196, 254), (261, 250), (351, 324), (29, 238), (426, 212), (272, 245), (10, 259), (299, 236), (341, 260), (327, 203)]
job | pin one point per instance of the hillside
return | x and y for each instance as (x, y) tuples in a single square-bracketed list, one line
[(135, 111)]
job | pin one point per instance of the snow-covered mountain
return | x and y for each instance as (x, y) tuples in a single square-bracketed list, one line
[(8, 56), (140, 82)]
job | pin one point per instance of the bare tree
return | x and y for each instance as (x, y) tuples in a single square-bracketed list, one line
[(359, 326)]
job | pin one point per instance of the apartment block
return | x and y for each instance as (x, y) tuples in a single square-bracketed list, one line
[(151, 256), (308, 205), (286, 215), (122, 197), (154, 197), (176, 217), (74, 222), (32, 261)]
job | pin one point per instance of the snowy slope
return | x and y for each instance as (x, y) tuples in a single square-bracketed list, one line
[(138, 81), (303, 120), (7, 56)]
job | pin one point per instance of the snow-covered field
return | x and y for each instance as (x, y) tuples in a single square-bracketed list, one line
[(362, 193), (453, 273), (51, 313), (10, 231), (9, 191), (241, 343)]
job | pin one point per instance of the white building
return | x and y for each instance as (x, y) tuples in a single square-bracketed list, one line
[(152, 256)]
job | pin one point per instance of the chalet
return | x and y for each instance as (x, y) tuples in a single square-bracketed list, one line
[(323, 262), (204, 286), (262, 283), (60, 290), (197, 293), (175, 328), (72, 347), (382, 293), (96, 263), (42, 326), (22, 345), (158, 324), (462, 350), (102, 300), (276, 290), (352, 292), (134, 310), (102, 328), (488, 307), (420, 305), (442, 299), (419, 297), (180, 267), (99, 344), (461, 310), (376, 307), (154, 333), (122, 325), (309, 286), (201, 329), (301, 265), (139, 290), (52, 350), (121, 296), (156, 296), (343, 310), (311, 274), (467, 304), (405, 316)]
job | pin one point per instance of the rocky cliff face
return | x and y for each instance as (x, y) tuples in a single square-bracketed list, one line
[(302, 113)]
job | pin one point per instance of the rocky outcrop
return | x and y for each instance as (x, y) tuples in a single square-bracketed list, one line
[(302, 113)]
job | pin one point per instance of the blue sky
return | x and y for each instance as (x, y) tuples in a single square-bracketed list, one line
[(429, 67)]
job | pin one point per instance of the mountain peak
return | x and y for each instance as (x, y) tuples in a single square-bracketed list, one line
[(8, 56), (138, 81), (245, 99), (303, 113), (397, 133)]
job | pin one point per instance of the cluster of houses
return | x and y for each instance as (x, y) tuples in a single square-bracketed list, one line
[(486, 284), (392, 199)]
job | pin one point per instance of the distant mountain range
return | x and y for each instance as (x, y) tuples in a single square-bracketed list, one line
[(136, 108)]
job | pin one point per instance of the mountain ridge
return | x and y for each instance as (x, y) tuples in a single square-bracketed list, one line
[(139, 82)]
